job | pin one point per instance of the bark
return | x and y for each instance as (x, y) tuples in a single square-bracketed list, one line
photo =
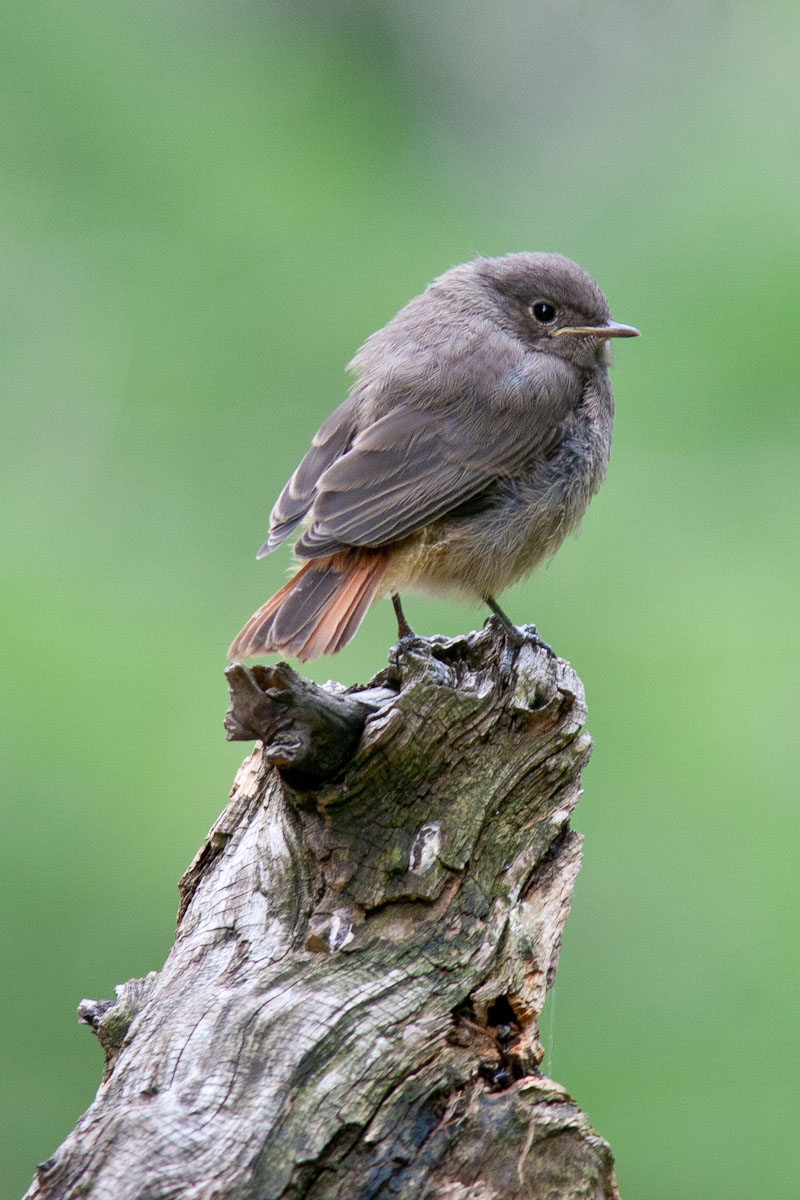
[(364, 946)]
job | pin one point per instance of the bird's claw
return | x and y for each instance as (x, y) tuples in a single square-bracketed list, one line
[(515, 638)]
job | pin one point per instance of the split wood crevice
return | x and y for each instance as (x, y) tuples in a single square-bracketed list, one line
[(364, 946)]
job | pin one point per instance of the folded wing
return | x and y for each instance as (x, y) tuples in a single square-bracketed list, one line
[(405, 471), (418, 463), (331, 439)]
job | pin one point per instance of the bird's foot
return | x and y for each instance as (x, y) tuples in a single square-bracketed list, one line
[(516, 637), (528, 635), (405, 644)]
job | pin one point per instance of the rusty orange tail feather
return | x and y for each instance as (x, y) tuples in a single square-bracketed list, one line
[(317, 612)]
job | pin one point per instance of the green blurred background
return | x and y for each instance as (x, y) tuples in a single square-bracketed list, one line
[(206, 208)]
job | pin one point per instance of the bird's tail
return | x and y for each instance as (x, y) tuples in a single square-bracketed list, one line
[(317, 611)]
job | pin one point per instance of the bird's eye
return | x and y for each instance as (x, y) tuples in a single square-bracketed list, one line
[(543, 312)]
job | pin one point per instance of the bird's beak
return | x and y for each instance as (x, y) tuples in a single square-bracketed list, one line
[(609, 330)]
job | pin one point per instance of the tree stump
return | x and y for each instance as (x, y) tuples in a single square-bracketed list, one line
[(365, 942)]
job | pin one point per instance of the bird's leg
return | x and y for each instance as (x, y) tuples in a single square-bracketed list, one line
[(404, 630), (515, 637), (513, 632)]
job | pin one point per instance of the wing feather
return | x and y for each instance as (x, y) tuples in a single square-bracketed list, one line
[(408, 469), (420, 461), (331, 440)]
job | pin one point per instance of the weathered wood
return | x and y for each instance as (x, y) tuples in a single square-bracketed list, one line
[(308, 732), (350, 1006)]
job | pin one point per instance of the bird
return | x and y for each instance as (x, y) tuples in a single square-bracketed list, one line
[(476, 432)]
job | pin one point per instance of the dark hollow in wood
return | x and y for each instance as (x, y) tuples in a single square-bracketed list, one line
[(350, 1006)]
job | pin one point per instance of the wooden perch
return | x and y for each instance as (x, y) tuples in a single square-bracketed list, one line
[(364, 946)]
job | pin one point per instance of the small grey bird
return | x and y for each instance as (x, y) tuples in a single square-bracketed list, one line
[(476, 433)]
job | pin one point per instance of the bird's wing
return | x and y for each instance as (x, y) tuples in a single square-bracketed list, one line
[(414, 466), (331, 439)]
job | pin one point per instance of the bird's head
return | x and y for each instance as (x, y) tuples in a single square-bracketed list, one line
[(551, 304)]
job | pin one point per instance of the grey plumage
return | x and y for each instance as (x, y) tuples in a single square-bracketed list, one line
[(470, 445)]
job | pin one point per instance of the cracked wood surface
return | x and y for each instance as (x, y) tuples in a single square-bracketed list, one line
[(350, 1006)]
